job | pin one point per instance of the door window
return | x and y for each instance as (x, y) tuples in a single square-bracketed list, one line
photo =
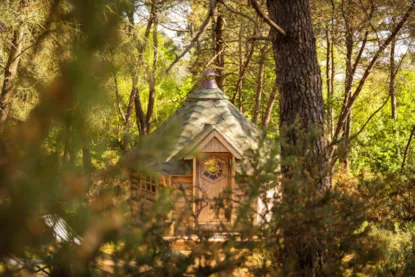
[(212, 169)]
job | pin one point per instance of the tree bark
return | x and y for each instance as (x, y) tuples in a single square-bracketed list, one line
[(302, 107), (10, 74), (260, 84), (298, 74)]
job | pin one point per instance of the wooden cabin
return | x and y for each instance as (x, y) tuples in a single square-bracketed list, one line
[(210, 138)]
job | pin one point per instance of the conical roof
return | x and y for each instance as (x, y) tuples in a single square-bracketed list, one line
[(205, 109)]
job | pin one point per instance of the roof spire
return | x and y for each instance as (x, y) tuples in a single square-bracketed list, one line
[(209, 79)]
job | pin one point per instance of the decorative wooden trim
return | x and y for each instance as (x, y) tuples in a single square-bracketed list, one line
[(225, 142)]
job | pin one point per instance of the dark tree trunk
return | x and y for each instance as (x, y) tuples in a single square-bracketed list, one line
[(298, 75), (86, 156), (152, 81), (139, 113), (127, 122), (260, 84), (220, 52), (10, 73), (302, 107), (69, 147)]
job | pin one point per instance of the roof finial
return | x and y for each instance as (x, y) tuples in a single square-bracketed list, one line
[(209, 79)]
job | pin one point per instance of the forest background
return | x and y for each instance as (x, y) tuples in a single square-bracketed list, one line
[(84, 82)]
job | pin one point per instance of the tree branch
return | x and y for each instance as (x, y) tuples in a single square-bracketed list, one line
[(267, 20), (260, 38), (407, 148), (347, 106), (196, 38), (368, 120), (117, 98), (359, 55), (237, 12)]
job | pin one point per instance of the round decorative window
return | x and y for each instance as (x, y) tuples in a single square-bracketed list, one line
[(212, 168)]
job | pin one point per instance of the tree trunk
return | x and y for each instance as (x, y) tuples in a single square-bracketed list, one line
[(242, 73), (271, 101), (153, 80), (408, 144), (302, 107), (260, 84), (330, 78), (139, 113), (141, 119), (69, 147), (392, 93), (392, 82), (220, 52), (86, 156), (347, 95), (298, 74), (332, 72), (10, 73), (244, 61), (127, 122)]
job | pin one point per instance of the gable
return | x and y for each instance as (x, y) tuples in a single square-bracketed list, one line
[(214, 145), (213, 141)]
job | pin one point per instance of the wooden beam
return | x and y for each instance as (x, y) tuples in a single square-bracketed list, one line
[(194, 187), (233, 188)]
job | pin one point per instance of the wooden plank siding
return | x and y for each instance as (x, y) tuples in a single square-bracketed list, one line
[(183, 207), (215, 146)]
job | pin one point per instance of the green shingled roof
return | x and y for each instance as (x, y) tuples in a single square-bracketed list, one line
[(204, 108)]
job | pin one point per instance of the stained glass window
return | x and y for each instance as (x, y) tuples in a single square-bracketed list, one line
[(213, 168)]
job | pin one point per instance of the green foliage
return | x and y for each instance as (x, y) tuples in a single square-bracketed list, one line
[(66, 115)]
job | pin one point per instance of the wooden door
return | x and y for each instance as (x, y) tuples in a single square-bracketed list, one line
[(214, 178)]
